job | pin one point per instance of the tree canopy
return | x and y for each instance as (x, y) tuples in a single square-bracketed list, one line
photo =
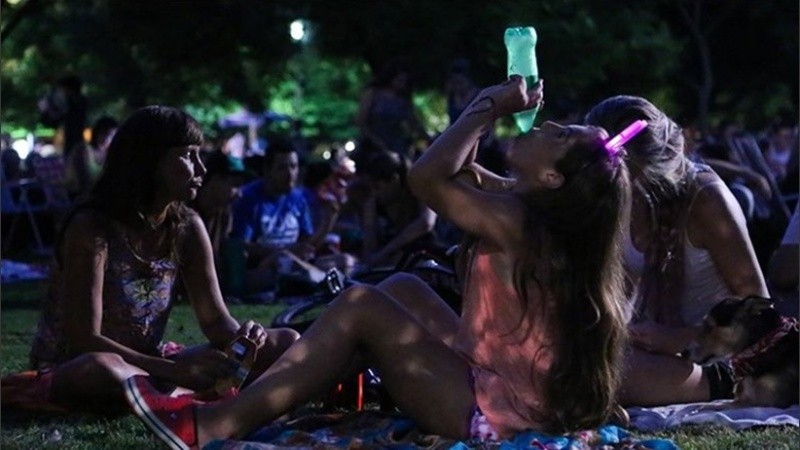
[(701, 60)]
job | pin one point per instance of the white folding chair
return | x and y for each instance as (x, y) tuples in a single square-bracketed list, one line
[(750, 154), (51, 173)]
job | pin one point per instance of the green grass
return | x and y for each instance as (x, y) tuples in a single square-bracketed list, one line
[(81, 432), (92, 432)]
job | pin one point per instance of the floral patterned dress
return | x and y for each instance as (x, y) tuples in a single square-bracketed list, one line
[(137, 300)]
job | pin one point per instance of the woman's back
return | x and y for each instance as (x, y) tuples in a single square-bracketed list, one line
[(509, 342)]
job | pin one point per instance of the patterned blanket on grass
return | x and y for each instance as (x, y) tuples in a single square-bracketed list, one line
[(720, 412), (373, 430)]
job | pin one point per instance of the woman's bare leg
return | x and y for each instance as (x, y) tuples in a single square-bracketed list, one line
[(427, 379), (651, 379), (97, 378), (424, 304), (278, 341), (421, 301), (90, 380)]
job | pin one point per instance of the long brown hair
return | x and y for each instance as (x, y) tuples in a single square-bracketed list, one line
[(573, 256), (126, 187), (665, 179)]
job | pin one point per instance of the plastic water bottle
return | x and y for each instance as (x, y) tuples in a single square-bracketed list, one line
[(521, 46)]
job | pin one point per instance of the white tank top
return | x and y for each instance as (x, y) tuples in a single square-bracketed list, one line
[(703, 287)]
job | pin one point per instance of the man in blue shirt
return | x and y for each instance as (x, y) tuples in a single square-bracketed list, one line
[(271, 217)]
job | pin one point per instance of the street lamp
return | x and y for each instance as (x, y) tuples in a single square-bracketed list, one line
[(301, 32), (297, 30)]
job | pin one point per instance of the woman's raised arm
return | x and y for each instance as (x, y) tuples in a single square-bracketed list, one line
[(494, 216)]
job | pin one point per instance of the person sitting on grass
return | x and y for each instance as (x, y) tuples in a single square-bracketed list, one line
[(117, 258), (784, 267), (539, 344), (85, 161), (394, 221), (270, 218), (214, 203), (686, 248)]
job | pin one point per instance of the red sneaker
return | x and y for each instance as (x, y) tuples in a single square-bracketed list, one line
[(171, 418)]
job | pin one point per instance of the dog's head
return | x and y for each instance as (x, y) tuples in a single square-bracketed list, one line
[(731, 326)]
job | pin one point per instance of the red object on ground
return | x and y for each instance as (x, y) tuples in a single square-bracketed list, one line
[(172, 419)]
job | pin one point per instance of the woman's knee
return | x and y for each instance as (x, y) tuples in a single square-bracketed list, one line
[(360, 301), (91, 380), (94, 366), (358, 294), (102, 360), (279, 339), (403, 279), (404, 287)]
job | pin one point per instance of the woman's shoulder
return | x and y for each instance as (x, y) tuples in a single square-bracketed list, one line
[(707, 187), (188, 218), (712, 200), (85, 229), (705, 176), (87, 221)]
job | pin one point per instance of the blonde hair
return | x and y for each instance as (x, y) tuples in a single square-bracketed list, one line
[(665, 178)]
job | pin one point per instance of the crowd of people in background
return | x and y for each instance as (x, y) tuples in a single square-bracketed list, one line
[(709, 217), (370, 213)]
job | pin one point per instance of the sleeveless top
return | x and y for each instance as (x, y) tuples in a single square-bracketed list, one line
[(137, 300), (703, 287), (509, 349)]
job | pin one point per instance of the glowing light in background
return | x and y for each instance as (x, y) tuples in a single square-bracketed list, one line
[(23, 147), (297, 30), (349, 146)]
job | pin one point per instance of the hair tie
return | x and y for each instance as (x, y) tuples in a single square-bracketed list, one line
[(614, 145)]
